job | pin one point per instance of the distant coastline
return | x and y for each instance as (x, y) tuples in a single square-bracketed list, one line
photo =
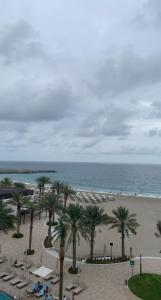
[(24, 171)]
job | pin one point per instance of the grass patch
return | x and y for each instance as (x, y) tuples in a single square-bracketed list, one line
[(47, 243), (146, 286), (17, 235)]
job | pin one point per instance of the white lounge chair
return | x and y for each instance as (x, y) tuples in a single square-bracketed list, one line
[(55, 280), (8, 277), (15, 281), (71, 286), (22, 284), (78, 290), (3, 274)]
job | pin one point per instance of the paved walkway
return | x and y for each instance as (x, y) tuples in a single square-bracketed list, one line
[(102, 282)]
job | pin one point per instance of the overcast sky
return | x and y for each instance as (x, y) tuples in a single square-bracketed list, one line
[(80, 80)]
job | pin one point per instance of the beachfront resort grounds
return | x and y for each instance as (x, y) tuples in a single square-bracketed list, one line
[(97, 281)]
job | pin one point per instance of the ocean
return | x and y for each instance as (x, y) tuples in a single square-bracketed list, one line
[(144, 180)]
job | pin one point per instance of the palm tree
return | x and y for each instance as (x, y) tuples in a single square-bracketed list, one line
[(74, 218), (7, 219), (51, 203), (67, 191), (124, 222), (19, 185), (33, 208), (6, 182), (93, 217), (57, 186), (60, 233), (17, 200), (41, 181)]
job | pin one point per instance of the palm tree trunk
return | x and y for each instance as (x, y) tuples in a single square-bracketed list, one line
[(65, 200), (31, 228), (74, 251), (61, 257), (49, 227), (18, 219), (92, 243), (53, 215), (123, 240)]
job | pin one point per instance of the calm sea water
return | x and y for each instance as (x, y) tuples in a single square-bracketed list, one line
[(118, 178)]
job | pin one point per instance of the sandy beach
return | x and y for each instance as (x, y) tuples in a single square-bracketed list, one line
[(148, 211), (102, 282)]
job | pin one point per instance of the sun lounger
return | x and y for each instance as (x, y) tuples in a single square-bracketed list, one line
[(78, 290), (8, 277), (48, 277), (18, 264), (55, 280), (27, 266), (71, 286), (30, 291), (22, 284), (3, 274), (15, 281), (40, 293)]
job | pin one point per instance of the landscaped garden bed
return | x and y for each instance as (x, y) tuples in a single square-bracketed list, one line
[(107, 260)]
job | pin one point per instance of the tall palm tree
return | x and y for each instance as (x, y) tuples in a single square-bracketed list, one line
[(51, 203), (19, 185), (41, 181), (33, 208), (7, 219), (94, 216), (6, 182), (57, 186), (17, 200), (67, 191), (124, 222), (74, 217), (60, 233)]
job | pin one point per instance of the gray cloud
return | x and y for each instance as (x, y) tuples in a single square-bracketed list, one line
[(19, 42), (28, 103), (149, 14), (79, 84), (126, 72), (112, 121)]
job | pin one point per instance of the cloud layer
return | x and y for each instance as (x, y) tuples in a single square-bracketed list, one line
[(80, 82)]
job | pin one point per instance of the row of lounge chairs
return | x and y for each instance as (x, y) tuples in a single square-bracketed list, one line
[(16, 281), (92, 199), (75, 288)]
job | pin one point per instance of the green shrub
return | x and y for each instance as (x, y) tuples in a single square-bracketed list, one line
[(47, 243), (17, 235), (30, 252), (73, 271), (52, 223)]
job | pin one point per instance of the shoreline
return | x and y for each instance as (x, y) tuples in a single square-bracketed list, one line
[(110, 193)]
